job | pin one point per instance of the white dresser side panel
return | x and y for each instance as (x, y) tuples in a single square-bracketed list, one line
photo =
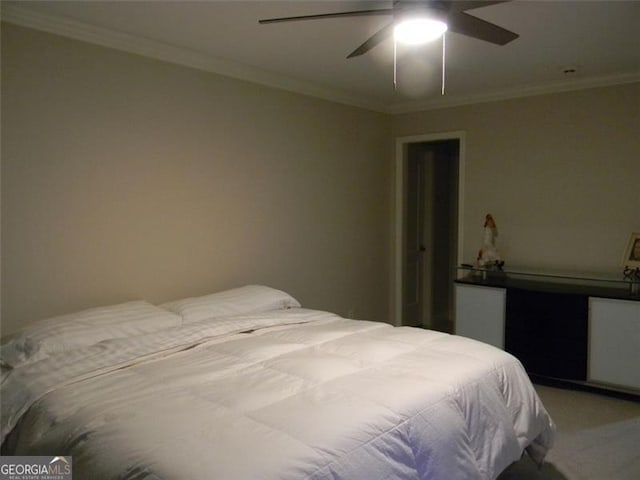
[(614, 342), (480, 313)]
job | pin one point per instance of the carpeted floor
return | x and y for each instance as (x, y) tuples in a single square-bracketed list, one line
[(598, 439)]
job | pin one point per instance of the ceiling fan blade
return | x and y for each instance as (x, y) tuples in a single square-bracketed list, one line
[(460, 22), (382, 34), (357, 13)]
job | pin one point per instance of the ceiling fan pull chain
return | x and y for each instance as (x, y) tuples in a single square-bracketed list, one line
[(395, 65), (443, 60)]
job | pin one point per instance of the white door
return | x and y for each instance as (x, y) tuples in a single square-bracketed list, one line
[(413, 247), (430, 233)]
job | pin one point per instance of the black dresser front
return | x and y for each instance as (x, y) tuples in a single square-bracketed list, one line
[(548, 332)]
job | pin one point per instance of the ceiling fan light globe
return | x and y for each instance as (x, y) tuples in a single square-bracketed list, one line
[(416, 31)]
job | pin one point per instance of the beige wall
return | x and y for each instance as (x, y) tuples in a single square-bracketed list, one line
[(125, 178), (560, 173)]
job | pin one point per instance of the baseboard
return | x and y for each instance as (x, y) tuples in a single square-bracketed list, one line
[(585, 387)]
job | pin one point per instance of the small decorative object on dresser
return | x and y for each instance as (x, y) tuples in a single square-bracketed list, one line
[(631, 263), (488, 256), (632, 253)]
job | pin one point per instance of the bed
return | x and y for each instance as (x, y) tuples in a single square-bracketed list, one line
[(246, 384)]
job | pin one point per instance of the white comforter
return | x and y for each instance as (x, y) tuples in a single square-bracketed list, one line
[(301, 394)]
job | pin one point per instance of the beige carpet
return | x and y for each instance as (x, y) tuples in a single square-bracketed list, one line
[(598, 439)]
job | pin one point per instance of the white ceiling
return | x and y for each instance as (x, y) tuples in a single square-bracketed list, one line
[(600, 40)]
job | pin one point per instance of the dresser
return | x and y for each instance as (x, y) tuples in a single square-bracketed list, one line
[(573, 327)]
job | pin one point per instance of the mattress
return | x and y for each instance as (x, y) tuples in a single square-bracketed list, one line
[(285, 394)]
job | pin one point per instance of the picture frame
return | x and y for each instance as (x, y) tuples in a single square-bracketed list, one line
[(632, 253)]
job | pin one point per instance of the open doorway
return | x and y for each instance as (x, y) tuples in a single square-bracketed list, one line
[(428, 229)]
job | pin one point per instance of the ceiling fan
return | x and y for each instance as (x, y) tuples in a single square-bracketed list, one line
[(451, 13)]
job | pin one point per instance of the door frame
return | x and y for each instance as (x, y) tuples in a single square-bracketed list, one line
[(398, 217)]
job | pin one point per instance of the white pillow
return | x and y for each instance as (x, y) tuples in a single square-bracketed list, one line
[(238, 301), (82, 329)]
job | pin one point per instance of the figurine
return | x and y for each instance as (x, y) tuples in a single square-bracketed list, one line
[(488, 256)]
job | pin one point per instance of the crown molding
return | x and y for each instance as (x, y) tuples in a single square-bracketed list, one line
[(25, 17), (517, 92)]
